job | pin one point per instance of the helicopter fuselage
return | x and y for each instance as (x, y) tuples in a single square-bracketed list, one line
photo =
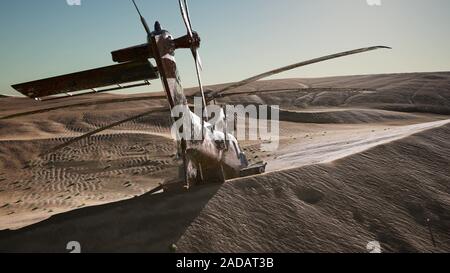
[(208, 154)]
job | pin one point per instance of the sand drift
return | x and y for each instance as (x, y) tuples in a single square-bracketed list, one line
[(343, 144)]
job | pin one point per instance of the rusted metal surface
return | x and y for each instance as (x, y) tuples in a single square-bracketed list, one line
[(139, 52), (85, 80)]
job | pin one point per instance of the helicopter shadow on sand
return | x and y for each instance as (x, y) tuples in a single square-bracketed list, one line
[(148, 223)]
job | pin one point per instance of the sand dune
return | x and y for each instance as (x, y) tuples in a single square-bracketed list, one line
[(361, 158), (385, 193), (414, 92)]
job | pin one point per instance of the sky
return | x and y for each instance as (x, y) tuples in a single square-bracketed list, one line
[(240, 38)]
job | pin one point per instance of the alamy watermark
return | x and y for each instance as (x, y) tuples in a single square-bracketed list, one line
[(73, 2), (374, 247), (242, 122), (373, 2), (73, 247)]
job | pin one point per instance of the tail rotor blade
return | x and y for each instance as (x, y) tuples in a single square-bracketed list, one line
[(198, 62), (186, 19), (198, 69), (202, 91), (197, 58), (200, 83), (143, 21), (187, 13)]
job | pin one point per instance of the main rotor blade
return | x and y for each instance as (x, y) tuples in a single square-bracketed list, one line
[(202, 91), (187, 13), (185, 17), (119, 87), (217, 93), (197, 58), (86, 80), (76, 139), (143, 21)]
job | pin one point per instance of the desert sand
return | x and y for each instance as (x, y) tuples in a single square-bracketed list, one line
[(361, 159)]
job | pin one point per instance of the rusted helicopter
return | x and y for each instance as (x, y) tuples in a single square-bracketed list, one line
[(216, 155)]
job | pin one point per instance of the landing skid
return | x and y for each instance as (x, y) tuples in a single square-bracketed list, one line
[(179, 185), (253, 169)]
